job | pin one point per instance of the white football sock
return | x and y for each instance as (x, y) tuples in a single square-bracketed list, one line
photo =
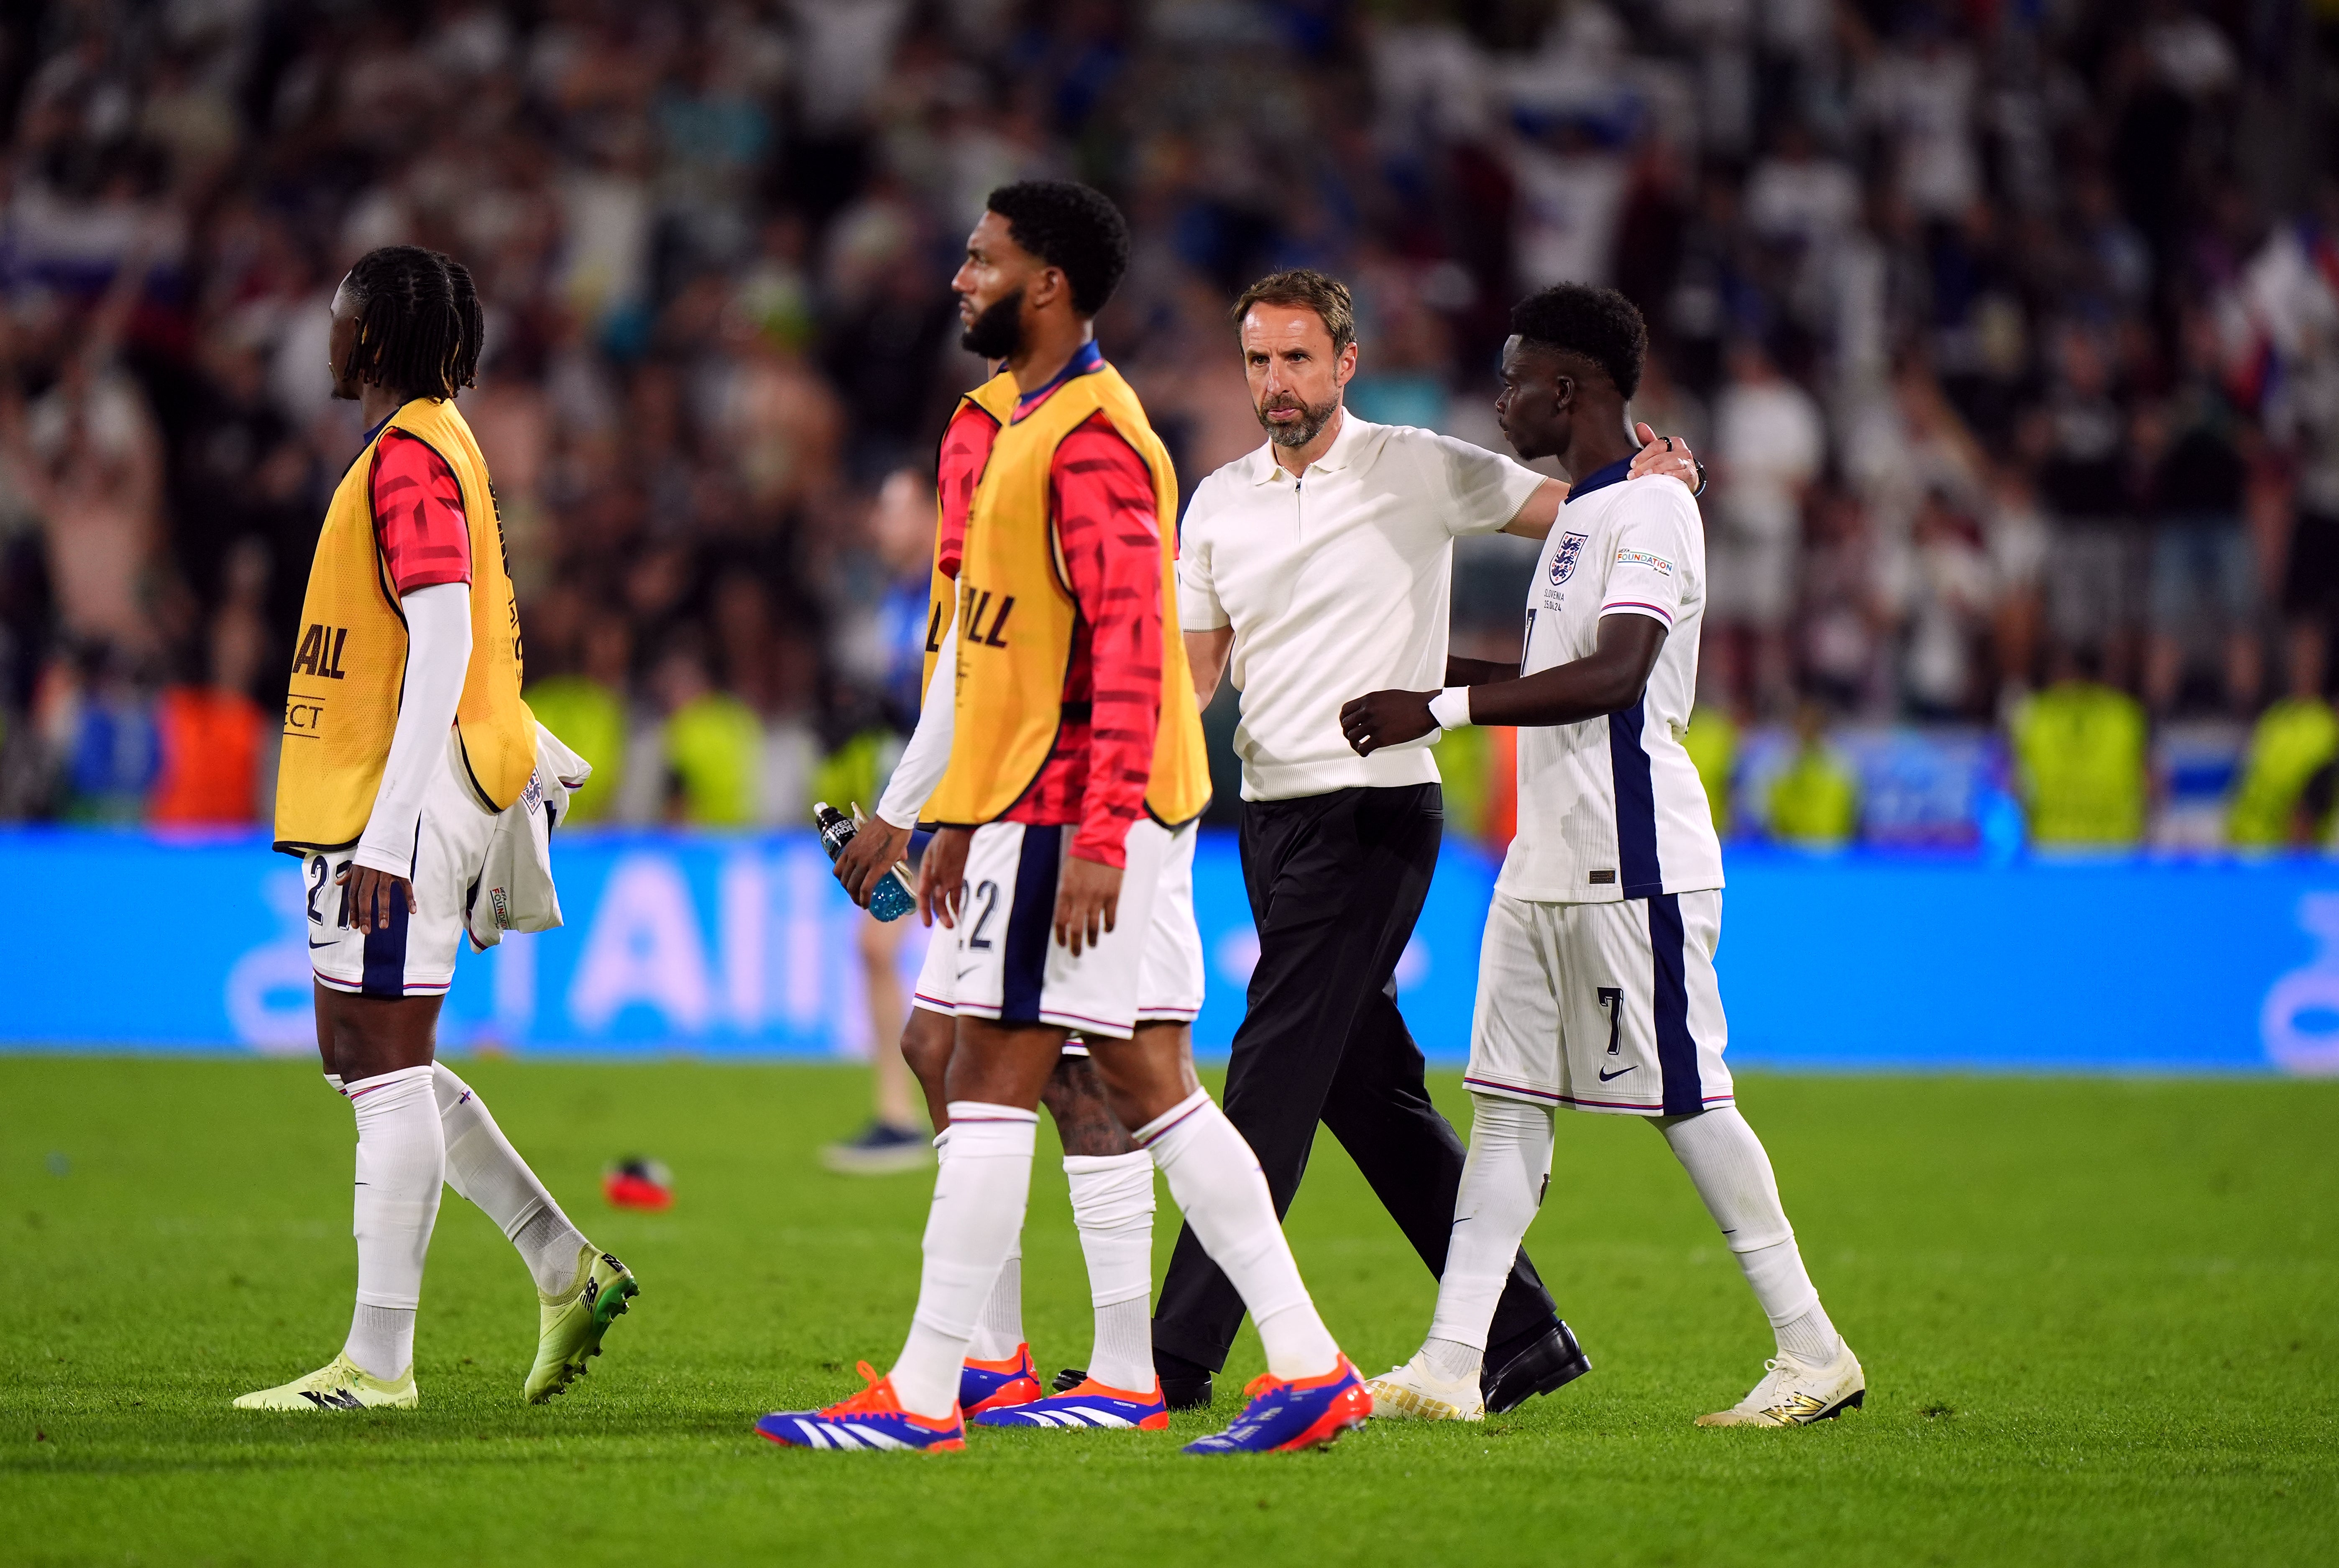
[(999, 1328), (1112, 1204), (482, 1165), (401, 1158), (1215, 1180), (333, 1081), (979, 1193), (1502, 1187), (1733, 1174), (1453, 1360)]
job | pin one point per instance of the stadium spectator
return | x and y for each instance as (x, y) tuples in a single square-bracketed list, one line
[(711, 745), (2079, 760), (587, 708), (2204, 569), (1937, 590), (1769, 441), (2294, 740), (1983, 249), (217, 747), (1814, 801), (1712, 745)]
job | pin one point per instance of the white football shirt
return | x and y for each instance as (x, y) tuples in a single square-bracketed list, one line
[(1612, 808), (1336, 583)]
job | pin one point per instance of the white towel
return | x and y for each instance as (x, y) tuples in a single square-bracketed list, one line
[(515, 891)]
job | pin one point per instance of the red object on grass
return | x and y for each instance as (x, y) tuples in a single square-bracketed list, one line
[(639, 1184)]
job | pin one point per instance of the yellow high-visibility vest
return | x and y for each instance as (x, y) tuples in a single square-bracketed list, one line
[(1016, 616), (349, 667), (996, 399)]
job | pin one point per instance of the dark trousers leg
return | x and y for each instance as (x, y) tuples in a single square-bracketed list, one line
[(1336, 882), (1380, 1110)]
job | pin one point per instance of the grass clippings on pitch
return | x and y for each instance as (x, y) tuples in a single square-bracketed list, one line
[(2098, 1318)]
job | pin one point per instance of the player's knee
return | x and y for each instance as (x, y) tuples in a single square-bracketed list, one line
[(927, 1041), (1085, 1115)]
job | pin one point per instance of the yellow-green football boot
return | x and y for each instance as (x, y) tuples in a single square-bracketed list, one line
[(339, 1385), (571, 1324)]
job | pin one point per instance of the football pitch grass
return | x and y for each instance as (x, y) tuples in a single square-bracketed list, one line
[(2096, 1317)]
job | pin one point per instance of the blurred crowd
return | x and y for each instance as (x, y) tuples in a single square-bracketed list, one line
[(2008, 328)]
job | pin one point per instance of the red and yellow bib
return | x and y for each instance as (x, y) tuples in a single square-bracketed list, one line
[(1010, 669), (993, 400), (348, 668)]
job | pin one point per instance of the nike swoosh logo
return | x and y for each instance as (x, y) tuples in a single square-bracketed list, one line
[(1605, 1075), (335, 942)]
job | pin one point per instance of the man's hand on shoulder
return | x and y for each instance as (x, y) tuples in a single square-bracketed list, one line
[(1666, 457), (1380, 719), (1088, 902)]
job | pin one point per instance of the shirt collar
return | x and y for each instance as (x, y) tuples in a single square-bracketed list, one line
[(1086, 359), (1614, 473), (1338, 456)]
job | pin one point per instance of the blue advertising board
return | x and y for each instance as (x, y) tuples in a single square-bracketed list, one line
[(744, 946)]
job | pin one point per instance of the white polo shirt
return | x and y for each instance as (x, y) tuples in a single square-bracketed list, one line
[(1336, 583)]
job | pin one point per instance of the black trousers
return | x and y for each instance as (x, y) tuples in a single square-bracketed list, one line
[(1336, 882)]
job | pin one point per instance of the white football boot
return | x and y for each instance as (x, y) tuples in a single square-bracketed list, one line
[(339, 1385), (1416, 1389), (1794, 1395)]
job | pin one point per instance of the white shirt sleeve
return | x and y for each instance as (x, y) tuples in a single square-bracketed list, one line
[(437, 654), (927, 757), (1483, 489), (1199, 609), (1649, 551)]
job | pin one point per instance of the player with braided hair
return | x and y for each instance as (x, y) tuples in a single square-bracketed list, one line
[(404, 739)]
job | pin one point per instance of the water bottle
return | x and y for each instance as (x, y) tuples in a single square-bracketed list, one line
[(892, 897)]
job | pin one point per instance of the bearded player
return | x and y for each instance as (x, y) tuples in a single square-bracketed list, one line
[(1110, 1179), (404, 738), (1596, 985), (1075, 774)]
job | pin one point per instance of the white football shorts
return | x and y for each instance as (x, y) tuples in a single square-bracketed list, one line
[(416, 956), (1002, 960), (1608, 1006)]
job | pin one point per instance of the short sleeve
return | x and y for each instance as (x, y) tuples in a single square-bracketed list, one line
[(1649, 551), (1483, 489), (418, 515), (1199, 609)]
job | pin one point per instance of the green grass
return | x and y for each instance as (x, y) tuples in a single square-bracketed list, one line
[(2098, 1318)]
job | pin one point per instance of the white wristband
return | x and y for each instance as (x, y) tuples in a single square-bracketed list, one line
[(1451, 708)]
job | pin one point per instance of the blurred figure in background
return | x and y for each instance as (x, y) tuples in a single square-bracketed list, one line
[(1814, 803), (2294, 740), (2204, 569), (215, 766), (901, 534), (1711, 742), (2079, 759), (711, 743), (1769, 442), (587, 708), (1937, 588)]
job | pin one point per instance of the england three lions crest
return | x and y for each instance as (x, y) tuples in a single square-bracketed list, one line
[(1562, 565)]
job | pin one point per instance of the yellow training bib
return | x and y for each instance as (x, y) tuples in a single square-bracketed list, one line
[(348, 668), (1016, 617), (996, 398)]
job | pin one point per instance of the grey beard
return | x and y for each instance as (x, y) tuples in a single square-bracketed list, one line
[(1306, 430)]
